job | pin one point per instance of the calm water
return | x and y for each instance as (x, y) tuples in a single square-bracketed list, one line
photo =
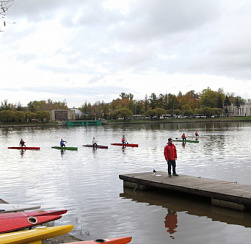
[(86, 182)]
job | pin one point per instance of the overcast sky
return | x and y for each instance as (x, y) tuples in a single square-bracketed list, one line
[(93, 50)]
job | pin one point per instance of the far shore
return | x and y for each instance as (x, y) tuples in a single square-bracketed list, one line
[(140, 121)]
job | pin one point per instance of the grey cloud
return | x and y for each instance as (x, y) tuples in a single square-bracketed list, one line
[(154, 19)]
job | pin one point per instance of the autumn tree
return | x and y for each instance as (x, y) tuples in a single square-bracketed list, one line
[(208, 98)]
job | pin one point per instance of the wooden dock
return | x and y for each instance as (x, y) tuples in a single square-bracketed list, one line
[(221, 193)]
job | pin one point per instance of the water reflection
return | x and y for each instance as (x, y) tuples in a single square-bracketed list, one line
[(22, 152), (171, 222), (175, 203)]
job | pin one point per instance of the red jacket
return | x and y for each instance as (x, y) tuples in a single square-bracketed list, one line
[(170, 152)]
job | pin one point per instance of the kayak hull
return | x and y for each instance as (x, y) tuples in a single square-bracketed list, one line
[(120, 240), (25, 148), (98, 146), (193, 141), (65, 148), (10, 225), (31, 213), (125, 145), (34, 236)]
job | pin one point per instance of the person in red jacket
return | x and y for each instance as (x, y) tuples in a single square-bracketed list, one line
[(170, 154)]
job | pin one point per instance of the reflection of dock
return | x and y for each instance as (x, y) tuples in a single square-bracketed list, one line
[(221, 193), (181, 203)]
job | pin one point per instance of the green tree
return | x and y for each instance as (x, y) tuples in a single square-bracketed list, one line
[(6, 106), (153, 100), (43, 115), (19, 116), (227, 101), (207, 111), (150, 113), (33, 106), (159, 111), (124, 113), (29, 116), (6, 116), (209, 98), (188, 112), (172, 102)]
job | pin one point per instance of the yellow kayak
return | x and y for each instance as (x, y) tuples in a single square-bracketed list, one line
[(34, 236)]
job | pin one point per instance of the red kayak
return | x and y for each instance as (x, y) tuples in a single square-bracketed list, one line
[(125, 144), (31, 213), (9, 225), (25, 148), (98, 146), (119, 240)]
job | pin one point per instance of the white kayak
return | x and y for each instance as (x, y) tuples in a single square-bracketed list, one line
[(5, 207)]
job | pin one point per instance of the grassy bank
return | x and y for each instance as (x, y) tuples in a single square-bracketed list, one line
[(184, 120)]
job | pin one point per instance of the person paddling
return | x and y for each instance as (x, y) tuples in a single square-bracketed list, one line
[(22, 143), (94, 142), (124, 140), (184, 138), (62, 143)]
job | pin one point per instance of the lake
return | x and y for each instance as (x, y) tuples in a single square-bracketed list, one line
[(86, 182)]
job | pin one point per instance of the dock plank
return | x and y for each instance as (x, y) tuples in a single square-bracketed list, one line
[(221, 192)]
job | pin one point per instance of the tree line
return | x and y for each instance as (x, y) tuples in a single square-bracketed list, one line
[(206, 103), (34, 111)]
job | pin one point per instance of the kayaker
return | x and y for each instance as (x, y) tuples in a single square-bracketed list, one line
[(184, 138), (196, 135), (94, 142), (124, 140), (22, 143), (170, 154), (62, 143)]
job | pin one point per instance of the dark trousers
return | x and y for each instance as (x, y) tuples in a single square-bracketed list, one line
[(171, 165)]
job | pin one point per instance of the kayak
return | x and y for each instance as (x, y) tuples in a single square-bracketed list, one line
[(9, 225), (35, 235), (195, 141), (5, 207), (120, 240), (125, 145), (31, 213), (65, 148), (25, 148), (98, 146)]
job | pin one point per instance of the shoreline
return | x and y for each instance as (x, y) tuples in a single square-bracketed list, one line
[(114, 122)]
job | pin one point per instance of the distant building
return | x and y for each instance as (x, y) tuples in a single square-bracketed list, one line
[(62, 115), (243, 110), (78, 113)]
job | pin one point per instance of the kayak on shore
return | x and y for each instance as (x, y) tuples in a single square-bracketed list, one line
[(35, 235), (10, 225), (119, 240)]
